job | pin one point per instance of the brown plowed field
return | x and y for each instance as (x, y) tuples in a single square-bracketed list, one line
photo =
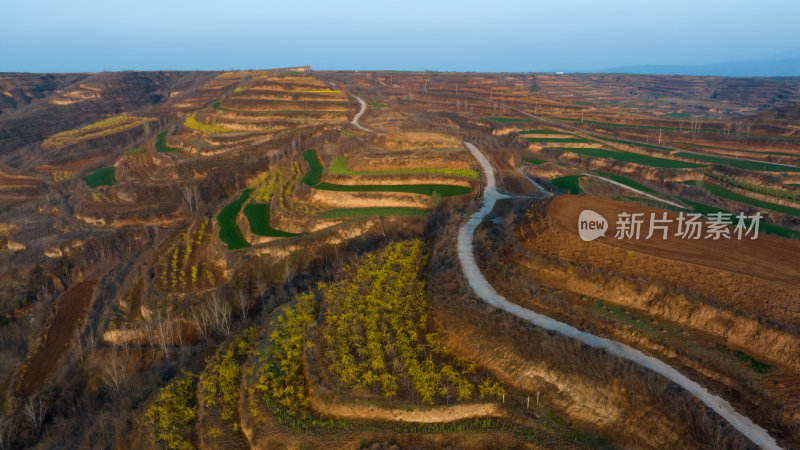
[(12, 181), (70, 311), (768, 257)]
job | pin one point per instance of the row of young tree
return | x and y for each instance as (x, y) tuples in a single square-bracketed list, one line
[(376, 331)]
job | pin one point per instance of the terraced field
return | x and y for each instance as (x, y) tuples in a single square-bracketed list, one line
[(339, 167), (258, 217), (229, 231), (730, 195), (313, 177), (635, 158), (742, 164), (101, 177), (106, 127)]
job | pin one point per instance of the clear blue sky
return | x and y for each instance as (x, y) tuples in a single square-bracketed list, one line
[(568, 35)]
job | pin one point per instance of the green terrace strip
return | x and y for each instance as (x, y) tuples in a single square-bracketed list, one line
[(573, 140), (220, 108), (161, 143), (229, 231), (666, 128), (635, 158), (544, 132), (763, 226), (626, 181), (443, 190), (101, 177), (772, 192), (740, 150), (534, 161), (267, 113), (378, 105), (194, 124), (748, 165), (348, 133), (314, 174), (339, 167), (505, 119), (136, 151), (675, 115), (343, 213), (571, 183), (258, 217), (730, 195), (636, 144)]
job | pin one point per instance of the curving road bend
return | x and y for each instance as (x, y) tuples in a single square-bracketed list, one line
[(486, 292), (358, 115)]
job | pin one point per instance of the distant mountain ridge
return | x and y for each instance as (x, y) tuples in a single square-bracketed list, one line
[(785, 64)]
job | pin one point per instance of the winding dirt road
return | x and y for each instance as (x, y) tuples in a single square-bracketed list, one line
[(487, 293), (358, 115)]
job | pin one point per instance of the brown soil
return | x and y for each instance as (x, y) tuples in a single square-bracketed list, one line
[(737, 273), (12, 181), (70, 311), (72, 166)]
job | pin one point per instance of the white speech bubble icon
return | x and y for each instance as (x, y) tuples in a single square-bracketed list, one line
[(591, 225)]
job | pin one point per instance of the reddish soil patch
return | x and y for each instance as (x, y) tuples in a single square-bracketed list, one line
[(70, 311), (11, 181), (73, 166), (756, 258)]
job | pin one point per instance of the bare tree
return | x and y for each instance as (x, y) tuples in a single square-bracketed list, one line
[(243, 302), (164, 331), (191, 196), (199, 315), (5, 431), (115, 373), (35, 410), (220, 315)]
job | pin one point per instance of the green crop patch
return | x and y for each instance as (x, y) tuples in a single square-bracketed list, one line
[(161, 143), (739, 150), (339, 167), (314, 174), (378, 105), (505, 119), (534, 161), (136, 151), (626, 181), (570, 183), (194, 124), (573, 140), (101, 177), (635, 158), (763, 227), (742, 164), (229, 231), (443, 190), (258, 217), (730, 195), (544, 132), (346, 213), (637, 144)]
